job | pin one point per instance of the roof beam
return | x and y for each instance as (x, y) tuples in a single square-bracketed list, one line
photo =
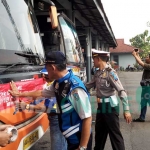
[(102, 14), (67, 5), (84, 21)]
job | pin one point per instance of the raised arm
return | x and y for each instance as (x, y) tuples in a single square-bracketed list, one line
[(48, 93), (15, 92), (137, 58)]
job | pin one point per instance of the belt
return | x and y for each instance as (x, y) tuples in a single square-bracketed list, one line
[(105, 100)]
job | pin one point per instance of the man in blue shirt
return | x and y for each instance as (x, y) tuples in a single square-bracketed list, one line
[(72, 99), (58, 142)]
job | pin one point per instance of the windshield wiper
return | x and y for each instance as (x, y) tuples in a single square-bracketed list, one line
[(27, 55), (12, 65)]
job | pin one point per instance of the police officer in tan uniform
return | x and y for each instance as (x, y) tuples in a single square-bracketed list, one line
[(107, 118)]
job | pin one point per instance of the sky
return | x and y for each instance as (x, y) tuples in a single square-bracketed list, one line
[(127, 18)]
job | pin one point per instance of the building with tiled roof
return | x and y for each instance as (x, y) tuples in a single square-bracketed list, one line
[(122, 54)]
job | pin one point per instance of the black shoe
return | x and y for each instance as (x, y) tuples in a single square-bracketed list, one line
[(138, 120)]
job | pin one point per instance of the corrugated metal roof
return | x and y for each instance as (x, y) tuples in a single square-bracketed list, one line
[(93, 11)]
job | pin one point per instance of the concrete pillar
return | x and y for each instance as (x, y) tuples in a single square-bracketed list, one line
[(107, 47), (70, 13), (102, 46), (73, 18), (96, 43), (99, 45), (100, 42), (88, 53)]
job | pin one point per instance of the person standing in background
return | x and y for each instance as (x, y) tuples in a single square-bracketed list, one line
[(145, 83)]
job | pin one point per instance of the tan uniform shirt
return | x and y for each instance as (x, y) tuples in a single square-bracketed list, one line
[(107, 82)]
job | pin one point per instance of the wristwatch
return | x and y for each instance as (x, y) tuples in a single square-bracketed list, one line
[(82, 148), (28, 106)]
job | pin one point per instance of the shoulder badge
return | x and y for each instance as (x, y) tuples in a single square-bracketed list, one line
[(112, 73), (75, 94), (49, 83), (104, 74), (57, 86)]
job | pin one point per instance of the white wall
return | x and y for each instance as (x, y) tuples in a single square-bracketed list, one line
[(125, 60)]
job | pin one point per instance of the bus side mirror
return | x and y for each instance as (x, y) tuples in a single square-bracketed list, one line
[(53, 16), (48, 5)]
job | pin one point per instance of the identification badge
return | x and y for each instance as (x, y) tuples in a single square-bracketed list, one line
[(113, 101)]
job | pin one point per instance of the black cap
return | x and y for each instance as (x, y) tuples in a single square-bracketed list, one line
[(55, 57)]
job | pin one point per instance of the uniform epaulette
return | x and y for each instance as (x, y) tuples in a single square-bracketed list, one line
[(109, 69), (74, 82), (96, 71)]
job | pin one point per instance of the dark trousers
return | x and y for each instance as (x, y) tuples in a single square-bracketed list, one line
[(107, 122), (145, 98), (143, 111), (76, 146)]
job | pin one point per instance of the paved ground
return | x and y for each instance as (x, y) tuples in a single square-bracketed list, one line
[(136, 135)]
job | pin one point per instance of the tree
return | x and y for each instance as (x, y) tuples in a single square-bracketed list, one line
[(142, 41)]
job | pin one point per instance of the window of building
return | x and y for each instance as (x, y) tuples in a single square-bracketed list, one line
[(116, 59)]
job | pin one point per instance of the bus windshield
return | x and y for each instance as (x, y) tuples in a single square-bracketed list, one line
[(71, 41), (18, 30)]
